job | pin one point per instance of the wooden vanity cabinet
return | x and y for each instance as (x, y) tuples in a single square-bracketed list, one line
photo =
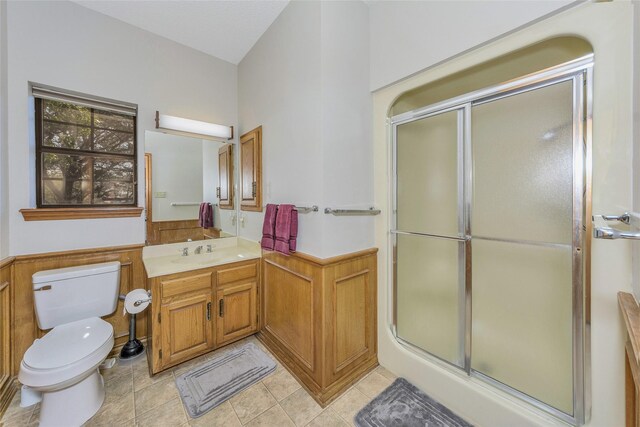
[(199, 311), (237, 312)]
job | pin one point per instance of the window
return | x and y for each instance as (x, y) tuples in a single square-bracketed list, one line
[(85, 156)]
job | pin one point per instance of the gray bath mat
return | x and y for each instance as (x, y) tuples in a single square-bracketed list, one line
[(210, 384), (403, 405)]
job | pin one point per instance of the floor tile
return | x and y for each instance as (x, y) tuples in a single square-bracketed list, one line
[(385, 373), (142, 379), (300, 407), (119, 369), (274, 417), (281, 384), (155, 395), (252, 402), (327, 418), (115, 411), (220, 416), (373, 384), (348, 405), (168, 414), (17, 419), (117, 388), (14, 409)]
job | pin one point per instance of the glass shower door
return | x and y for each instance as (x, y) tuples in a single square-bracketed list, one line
[(522, 241), (429, 235)]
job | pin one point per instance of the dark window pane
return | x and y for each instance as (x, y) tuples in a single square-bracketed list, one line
[(113, 193), (113, 142), (113, 170), (84, 178), (66, 136), (65, 112), (108, 120), (66, 179)]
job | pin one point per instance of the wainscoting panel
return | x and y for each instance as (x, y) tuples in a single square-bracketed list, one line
[(26, 329), (7, 384), (331, 300), (288, 314)]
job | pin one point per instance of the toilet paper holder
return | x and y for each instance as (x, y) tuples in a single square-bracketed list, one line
[(142, 301)]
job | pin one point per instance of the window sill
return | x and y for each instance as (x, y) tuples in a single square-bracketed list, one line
[(53, 214)]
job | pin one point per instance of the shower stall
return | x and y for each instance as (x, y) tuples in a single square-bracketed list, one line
[(490, 191)]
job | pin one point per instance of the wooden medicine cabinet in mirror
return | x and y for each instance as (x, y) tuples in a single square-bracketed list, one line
[(251, 170), (224, 191)]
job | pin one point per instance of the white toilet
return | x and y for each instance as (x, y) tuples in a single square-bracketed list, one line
[(63, 365)]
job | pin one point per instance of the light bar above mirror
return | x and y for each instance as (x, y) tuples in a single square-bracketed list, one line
[(193, 127)]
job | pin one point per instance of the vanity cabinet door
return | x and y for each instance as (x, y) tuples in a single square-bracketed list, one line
[(225, 177), (187, 328), (251, 170), (237, 311)]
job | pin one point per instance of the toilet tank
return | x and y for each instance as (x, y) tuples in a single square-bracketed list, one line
[(68, 294)]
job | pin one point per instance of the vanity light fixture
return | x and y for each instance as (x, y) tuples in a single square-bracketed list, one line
[(193, 127)]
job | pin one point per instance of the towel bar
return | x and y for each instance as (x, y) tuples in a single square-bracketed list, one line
[(189, 204), (352, 212), (306, 209), (603, 231)]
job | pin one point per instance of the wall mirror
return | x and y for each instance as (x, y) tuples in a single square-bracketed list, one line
[(181, 172)]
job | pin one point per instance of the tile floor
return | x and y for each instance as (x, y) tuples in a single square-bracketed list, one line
[(133, 398)]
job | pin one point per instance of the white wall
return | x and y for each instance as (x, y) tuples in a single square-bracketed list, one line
[(4, 173), (346, 126), (636, 145), (608, 27), (279, 86), (65, 45), (410, 36), (306, 82)]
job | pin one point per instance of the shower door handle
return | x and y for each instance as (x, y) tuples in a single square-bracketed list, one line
[(601, 230)]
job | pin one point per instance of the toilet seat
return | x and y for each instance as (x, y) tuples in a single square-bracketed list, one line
[(67, 352)]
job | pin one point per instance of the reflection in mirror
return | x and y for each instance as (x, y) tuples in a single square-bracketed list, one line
[(181, 173)]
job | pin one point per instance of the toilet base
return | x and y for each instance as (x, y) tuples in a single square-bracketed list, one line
[(72, 406)]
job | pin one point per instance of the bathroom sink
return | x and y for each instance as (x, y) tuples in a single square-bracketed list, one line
[(198, 259), (166, 259)]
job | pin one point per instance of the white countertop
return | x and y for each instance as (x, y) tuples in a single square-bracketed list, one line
[(161, 260)]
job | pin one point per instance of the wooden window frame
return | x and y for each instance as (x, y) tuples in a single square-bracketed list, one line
[(110, 209)]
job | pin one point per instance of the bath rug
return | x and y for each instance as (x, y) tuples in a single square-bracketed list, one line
[(212, 383), (402, 404)]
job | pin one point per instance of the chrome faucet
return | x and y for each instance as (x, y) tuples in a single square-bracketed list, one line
[(185, 251), (198, 250), (209, 249)]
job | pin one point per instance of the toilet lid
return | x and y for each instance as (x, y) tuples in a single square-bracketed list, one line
[(68, 343)]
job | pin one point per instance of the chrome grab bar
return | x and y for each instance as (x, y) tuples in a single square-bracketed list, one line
[(603, 231), (352, 212)]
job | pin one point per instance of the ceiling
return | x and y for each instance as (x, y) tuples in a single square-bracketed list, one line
[(224, 29)]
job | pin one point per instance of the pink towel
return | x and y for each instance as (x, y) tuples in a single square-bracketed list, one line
[(269, 227), (294, 231), (283, 228), (205, 217)]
